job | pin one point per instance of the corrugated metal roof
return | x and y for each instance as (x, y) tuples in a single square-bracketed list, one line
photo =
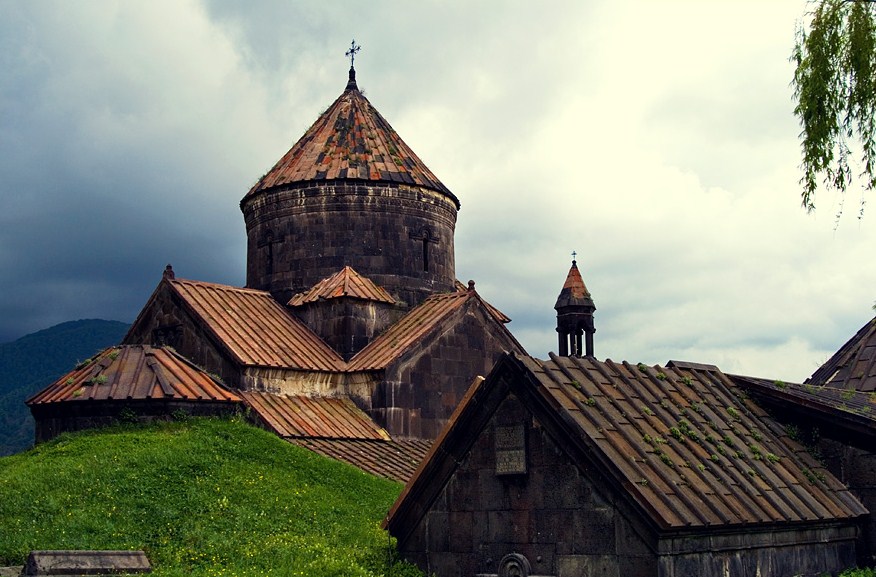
[(313, 417), (853, 366), (396, 459), (687, 447), (135, 372), (350, 140), (256, 329), (407, 331), (345, 283)]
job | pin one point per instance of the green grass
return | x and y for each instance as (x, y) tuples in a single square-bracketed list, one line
[(202, 497)]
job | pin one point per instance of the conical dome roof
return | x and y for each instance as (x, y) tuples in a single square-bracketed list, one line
[(574, 292), (351, 140)]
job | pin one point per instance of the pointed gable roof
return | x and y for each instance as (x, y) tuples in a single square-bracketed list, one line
[(853, 366), (254, 328), (135, 372), (574, 292), (680, 441), (350, 140), (345, 283), (414, 326)]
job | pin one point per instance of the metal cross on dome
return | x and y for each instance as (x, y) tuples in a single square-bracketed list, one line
[(574, 255), (354, 49)]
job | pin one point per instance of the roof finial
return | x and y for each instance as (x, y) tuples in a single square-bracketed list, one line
[(351, 54), (574, 256)]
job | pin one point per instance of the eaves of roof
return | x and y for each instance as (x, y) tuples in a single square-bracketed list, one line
[(850, 414), (301, 416), (396, 459), (135, 372)]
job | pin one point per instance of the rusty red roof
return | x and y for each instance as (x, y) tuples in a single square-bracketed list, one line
[(313, 417), (853, 366), (411, 328), (345, 283), (574, 292), (706, 456), (350, 140), (135, 372), (254, 328), (395, 459), (681, 441)]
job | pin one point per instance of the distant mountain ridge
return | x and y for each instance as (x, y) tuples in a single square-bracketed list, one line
[(36, 360)]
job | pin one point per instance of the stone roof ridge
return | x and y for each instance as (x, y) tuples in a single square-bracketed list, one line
[(350, 141), (574, 291), (494, 312), (214, 285), (344, 283), (853, 366)]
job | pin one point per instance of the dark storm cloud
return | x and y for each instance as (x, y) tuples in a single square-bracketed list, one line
[(96, 197)]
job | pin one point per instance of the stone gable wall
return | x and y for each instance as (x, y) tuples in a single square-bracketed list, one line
[(346, 324), (166, 322), (420, 390), (562, 523)]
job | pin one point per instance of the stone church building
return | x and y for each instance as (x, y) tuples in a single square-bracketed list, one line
[(352, 336)]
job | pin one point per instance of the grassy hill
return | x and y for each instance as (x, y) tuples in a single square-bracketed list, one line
[(29, 364), (202, 497)]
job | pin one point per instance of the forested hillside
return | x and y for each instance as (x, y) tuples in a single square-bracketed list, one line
[(36, 360)]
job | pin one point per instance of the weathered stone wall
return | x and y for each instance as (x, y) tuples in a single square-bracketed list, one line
[(164, 321), (521, 493), (291, 382), (301, 235), (856, 468), (54, 419), (560, 521), (761, 552), (420, 390), (348, 325)]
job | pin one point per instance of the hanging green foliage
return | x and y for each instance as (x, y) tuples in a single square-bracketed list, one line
[(835, 90)]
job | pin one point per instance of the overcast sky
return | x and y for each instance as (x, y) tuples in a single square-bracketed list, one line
[(656, 139)]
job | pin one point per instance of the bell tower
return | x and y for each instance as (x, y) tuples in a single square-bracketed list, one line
[(575, 310)]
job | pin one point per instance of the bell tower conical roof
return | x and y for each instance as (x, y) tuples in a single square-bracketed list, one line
[(575, 310), (351, 140)]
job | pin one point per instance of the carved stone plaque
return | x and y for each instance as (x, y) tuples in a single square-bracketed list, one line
[(511, 450)]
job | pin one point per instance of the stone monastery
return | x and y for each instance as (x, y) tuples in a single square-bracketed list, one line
[(354, 338)]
